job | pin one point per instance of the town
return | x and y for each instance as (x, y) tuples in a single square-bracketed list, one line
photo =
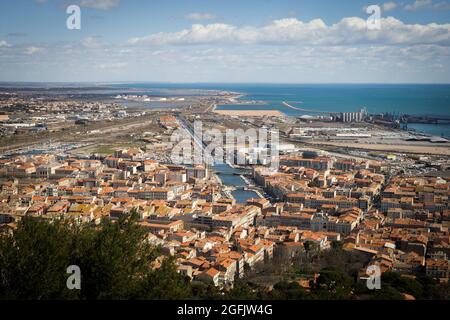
[(390, 209)]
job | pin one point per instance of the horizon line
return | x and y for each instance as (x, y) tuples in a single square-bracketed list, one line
[(214, 82)]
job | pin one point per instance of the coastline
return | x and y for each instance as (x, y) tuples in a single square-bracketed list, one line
[(250, 113)]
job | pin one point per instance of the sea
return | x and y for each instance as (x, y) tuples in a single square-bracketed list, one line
[(398, 99)]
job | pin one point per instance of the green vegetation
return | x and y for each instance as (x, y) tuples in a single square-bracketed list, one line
[(104, 150), (114, 259), (109, 149), (116, 263)]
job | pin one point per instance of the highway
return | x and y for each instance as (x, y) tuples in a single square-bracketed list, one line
[(199, 142)]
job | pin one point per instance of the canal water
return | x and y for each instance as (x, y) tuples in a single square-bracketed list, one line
[(230, 177)]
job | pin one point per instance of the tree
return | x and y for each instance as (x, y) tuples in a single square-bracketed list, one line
[(166, 284), (404, 285), (34, 261), (205, 290), (387, 293), (337, 246), (333, 284), (242, 291), (289, 291), (442, 291), (429, 286), (114, 258)]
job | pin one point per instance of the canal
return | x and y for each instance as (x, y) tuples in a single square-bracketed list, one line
[(231, 177)]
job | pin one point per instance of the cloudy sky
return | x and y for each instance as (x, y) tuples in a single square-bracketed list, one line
[(274, 41)]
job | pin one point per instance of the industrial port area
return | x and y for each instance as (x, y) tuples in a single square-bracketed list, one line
[(97, 120)]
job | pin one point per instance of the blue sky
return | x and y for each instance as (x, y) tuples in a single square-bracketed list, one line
[(287, 41)]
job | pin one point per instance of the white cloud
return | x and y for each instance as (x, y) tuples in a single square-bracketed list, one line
[(91, 43), (388, 6), (308, 63), (291, 31), (100, 4), (285, 50), (3, 43), (427, 5), (443, 5), (418, 4), (32, 50), (113, 66), (197, 16)]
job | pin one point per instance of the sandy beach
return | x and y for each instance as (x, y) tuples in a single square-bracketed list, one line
[(250, 113)]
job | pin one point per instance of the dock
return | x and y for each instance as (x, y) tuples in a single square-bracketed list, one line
[(307, 110)]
